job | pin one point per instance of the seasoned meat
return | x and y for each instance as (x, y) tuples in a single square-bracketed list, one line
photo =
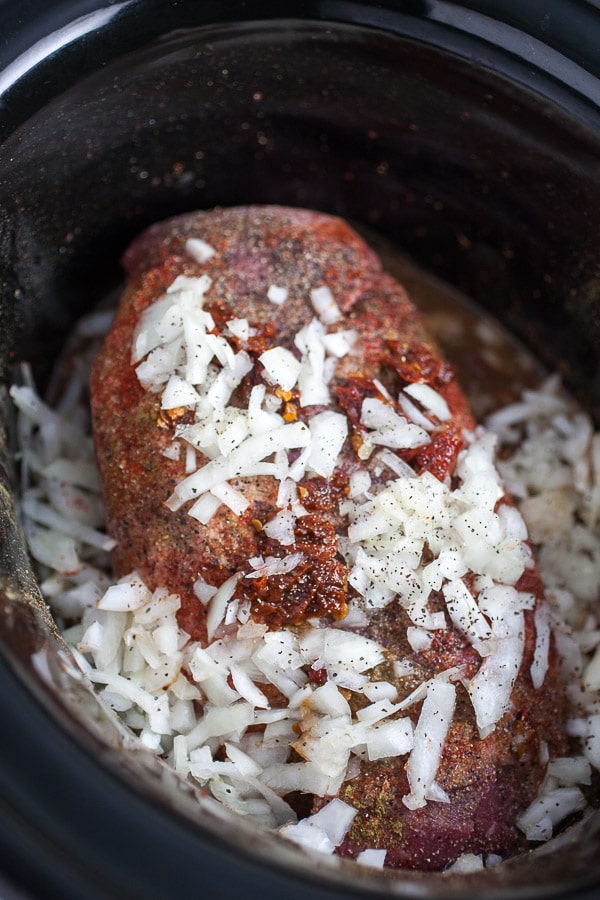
[(255, 248), (488, 781)]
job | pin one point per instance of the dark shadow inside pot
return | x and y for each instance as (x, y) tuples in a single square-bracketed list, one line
[(482, 182)]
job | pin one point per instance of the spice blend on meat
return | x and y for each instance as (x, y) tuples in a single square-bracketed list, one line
[(332, 594)]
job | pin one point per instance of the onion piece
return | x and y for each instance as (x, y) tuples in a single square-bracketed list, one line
[(281, 366), (128, 594), (539, 666), (388, 428), (429, 398), (430, 734), (374, 859), (178, 393), (340, 343), (218, 604), (277, 295), (274, 565), (466, 615), (199, 250), (328, 431), (324, 305)]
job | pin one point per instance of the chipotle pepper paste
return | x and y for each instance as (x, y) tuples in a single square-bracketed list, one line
[(317, 586)]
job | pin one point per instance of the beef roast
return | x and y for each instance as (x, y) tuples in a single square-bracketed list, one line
[(247, 252)]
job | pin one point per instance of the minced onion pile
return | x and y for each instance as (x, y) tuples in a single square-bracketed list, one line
[(199, 706)]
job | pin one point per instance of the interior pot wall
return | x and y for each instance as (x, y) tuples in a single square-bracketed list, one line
[(482, 182)]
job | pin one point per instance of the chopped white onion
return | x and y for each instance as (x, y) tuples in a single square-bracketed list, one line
[(281, 366), (430, 399), (374, 859), (274, 565), (218, 604), (199, 250), (129, 594), (430, 734), (324, 305), (539, 819), (340, 343), (539, 666), (328, 431), (388, 428), (178, 393), (277, 295)]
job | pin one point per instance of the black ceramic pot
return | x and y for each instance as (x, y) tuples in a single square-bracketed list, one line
[(468, 133)]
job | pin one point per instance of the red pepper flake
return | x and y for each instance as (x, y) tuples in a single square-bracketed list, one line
[(180, 415), (221, 314), (283, 395), (316, 587), (317, 676), (440, 454), (416, 362), (290, 412), (319, 494), (351, 394)]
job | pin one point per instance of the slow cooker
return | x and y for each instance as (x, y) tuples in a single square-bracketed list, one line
[(466, 133)]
